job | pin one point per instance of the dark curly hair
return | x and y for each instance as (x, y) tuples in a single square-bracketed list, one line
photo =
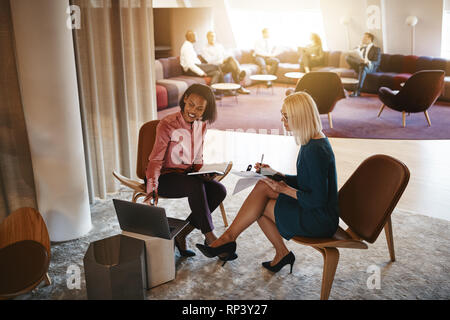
[(204, 91)]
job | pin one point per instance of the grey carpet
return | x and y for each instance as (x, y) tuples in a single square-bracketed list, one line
[(421, 271)]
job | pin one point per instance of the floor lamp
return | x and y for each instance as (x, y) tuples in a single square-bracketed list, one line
[(412, 21), (345, 21)]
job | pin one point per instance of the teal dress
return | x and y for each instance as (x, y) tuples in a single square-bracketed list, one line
[(315, 212)]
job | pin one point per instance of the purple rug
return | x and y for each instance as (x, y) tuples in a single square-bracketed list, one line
[(352, 117)]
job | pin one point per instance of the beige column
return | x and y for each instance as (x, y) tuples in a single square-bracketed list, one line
[(48, 82)]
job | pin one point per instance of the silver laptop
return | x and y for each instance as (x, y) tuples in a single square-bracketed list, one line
[(148, 220)]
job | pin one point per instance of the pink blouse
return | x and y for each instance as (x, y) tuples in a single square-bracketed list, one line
[(178, 147)]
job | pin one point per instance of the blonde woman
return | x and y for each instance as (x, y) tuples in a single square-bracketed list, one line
[(304, 205)]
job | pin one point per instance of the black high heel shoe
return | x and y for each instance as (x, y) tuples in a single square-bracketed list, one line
[(287, 259), (229, 248), (234, 256), (184, 253)]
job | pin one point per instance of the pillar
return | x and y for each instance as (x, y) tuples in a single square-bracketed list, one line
[(48, 82)]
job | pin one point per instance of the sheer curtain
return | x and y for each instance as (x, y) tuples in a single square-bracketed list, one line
[(16, 172), (115, 57)]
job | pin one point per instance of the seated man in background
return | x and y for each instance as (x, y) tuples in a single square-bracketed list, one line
[(191, 64), (214, 53), (265, 54), (365, 59)]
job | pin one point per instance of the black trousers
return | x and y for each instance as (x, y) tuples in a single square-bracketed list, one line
[(203, 196), (230, 65)]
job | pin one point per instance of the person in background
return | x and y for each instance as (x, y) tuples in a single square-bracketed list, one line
[(305, 204), (366, 60), (178, 150), (312, 55), (214, 53), (265, 54), (191, 64)]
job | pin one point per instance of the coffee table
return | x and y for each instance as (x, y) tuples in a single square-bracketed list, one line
[(227, 87), (263, 78), (294, 75), (349, 83)]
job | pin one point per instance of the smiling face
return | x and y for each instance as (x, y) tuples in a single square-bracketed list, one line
[(194, 107)]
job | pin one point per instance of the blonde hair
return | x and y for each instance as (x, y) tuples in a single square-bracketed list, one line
[(303, 116)]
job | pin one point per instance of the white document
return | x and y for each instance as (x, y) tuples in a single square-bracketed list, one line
[(244, 183), (356, 53), (250, 178)]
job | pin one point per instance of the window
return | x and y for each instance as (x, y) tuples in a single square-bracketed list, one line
[(287, 29), (446, 35)]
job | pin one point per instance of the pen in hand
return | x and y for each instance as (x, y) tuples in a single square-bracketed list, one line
[(260, 164)]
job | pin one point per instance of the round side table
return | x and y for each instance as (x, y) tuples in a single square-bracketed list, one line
[(263, 78)]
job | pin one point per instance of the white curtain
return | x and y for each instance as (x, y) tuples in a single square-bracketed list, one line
[(16, 172), (115, 58)]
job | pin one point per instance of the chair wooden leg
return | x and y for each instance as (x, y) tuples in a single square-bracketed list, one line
[(224, 215), (47, 279), (137, 195), (330, 262), (381, 110), (390, 238), (330, 120), (428, 118), (404, 119)]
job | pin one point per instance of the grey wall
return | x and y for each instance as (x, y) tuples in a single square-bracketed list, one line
[(428, 30), (333, 11), (182, 19), (393, 37)]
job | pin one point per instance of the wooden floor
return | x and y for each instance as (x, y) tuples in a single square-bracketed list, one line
[(428, 191)]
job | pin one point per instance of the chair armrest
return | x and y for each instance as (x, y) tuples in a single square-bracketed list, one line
[(387, 91), (130, 183)]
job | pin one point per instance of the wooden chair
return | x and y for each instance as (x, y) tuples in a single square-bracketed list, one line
[(366, 202), (147, 136), (24, 232)]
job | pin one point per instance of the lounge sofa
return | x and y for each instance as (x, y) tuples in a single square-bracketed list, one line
[(393, 70), (171, 83)]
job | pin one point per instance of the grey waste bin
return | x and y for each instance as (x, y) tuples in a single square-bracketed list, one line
[(115, 269)]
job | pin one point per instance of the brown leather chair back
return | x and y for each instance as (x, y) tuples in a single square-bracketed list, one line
[(147, 136), (324, 87), (370, 195), (24, 224)]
